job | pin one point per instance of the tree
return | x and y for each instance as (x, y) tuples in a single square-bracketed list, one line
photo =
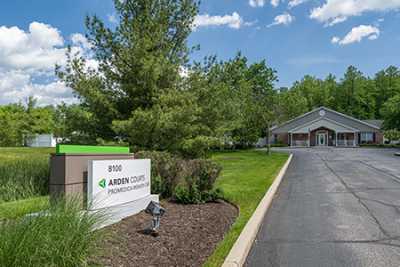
[(12, 119), (139, 60), (387, 85), (392, 135), (391, 113)]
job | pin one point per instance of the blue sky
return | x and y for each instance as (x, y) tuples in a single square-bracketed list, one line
[(296, 37)]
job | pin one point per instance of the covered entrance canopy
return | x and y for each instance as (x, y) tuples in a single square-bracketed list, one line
[(325, 127), (323, 132)]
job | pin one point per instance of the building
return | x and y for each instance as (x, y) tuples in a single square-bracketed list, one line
[(326, 127), (41, 140)]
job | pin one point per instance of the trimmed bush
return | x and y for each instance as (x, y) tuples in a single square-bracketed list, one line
[(63, 236), (186, 181), (199, 176), (165, 171)]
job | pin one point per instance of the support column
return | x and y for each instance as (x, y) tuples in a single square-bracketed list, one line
[(336, 139), (291, 139), (309, 144), (354, 139)]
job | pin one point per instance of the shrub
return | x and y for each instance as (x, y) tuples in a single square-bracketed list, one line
[(165, 171), (63, 236), (198, 147), (192, 195), (186, 181), (197, 186)]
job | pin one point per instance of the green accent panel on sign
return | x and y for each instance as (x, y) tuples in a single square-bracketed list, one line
[(76, 149)]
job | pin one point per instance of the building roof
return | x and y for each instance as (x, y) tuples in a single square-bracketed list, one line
[(377, 123), (326, 114)]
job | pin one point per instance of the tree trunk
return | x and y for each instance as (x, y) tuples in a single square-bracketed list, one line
[(268, 140)]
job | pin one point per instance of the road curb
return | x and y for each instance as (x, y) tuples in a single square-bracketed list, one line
[(238, 254)]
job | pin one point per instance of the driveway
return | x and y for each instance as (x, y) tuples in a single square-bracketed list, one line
[(335, 207)]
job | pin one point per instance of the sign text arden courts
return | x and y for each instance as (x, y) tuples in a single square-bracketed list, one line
[(116, 182)]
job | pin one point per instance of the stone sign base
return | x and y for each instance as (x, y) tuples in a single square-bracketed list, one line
[(117, 213)]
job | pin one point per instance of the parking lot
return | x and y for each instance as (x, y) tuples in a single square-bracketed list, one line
[(335, 207)]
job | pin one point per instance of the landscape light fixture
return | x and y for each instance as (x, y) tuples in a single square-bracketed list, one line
[(157, 212)]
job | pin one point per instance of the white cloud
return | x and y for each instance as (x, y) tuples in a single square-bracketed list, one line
[(17, 86), (233, 21), (335, 40), (40, 48), (256, 3), (336, 11), (283, 19), (275, 3), (27, 61), (79, 39), (294, 3), (357, 34)]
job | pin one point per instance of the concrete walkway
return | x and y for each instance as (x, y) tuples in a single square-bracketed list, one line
[(335, 207)]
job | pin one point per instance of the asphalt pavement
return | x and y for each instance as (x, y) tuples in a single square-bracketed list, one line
[(335, 207)]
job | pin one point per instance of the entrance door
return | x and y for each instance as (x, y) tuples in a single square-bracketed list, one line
[(321, 139)]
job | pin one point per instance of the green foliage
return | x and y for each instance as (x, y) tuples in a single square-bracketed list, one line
[(187, 181), (392, 135), (354, 94), (166, 170), (24, 173), (197, 185), (236, 98), (20, 122), (19, 208), (391, 113), (198, 147), (61, 236), (185, 195), (139, 60)]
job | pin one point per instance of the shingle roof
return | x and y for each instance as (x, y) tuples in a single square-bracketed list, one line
[(377, 123), (341, 118)]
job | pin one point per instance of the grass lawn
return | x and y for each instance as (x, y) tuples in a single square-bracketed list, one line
[(12, 153), (246, 176), (15, 209)]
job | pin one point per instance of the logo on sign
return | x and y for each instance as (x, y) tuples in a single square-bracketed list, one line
[(102, 183)]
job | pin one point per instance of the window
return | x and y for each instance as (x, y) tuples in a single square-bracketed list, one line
[(367, 137)]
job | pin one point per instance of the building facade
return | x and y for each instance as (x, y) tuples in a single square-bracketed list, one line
[(326, 127)]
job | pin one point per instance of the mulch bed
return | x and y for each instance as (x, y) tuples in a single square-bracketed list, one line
[(187, 236)]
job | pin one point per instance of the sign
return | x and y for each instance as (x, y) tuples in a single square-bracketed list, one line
[(115, 182)]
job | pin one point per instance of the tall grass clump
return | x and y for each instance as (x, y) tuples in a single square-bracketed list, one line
[(62, 236), (24, 173), (23, 178)]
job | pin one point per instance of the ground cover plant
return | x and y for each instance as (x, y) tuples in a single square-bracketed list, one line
[(245, 178), (62, 236), (24, 172)]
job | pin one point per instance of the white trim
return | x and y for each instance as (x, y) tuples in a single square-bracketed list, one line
[(325, 133), (328, 109), (298, 117), (352, 118), (324, 118)]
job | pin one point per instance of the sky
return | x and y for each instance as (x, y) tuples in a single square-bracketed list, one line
[(295, 37)]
